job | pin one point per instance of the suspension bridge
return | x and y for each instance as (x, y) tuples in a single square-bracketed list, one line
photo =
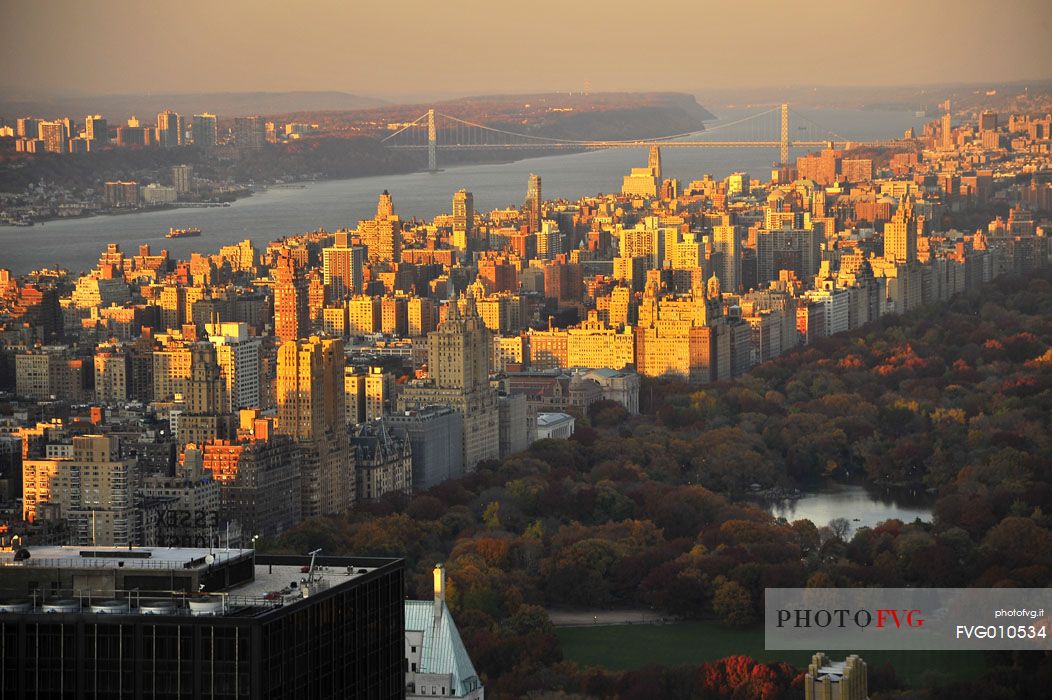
[(436, 132)]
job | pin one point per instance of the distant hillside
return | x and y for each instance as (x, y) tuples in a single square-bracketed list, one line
[(561, 115), (225, 104), (611, 115), (1031, 97), (594, 102)]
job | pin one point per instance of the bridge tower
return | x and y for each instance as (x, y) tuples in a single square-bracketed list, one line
[(432, 142), (784, 152)]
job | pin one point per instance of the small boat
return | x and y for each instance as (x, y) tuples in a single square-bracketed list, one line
[(182, 232)]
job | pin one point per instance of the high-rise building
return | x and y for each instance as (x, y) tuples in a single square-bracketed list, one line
[(133, 136), (121, 194), (207, 416), (310, 382), (310, 401), (37, 477), (205, 131), (900, 234), (595, 344), (857, 169), (654, 162), (549, 240), (518, 423), (315, 296), (259, 477), (420, 314), (394, 317), (51, 373), (383, 462), (946, 131), (459, 354), (532, 209), (792, 249), (93, 489), (111, 374), (171, 371), (172, 305), (459, 350), (822, 167), (169, 129), (727, 239), (646, 239), (183, 178), (363, 315), (620, 311), (186, 504), (343, 268), (382, 235), (213, 622), (644, 182), (291, 302), (250, 132), (367, 394), (682, 336), (738, 184), (97, 131), (239, 357), (384, 205), (437, 437), (463, 220), (685, 251), (55, 136), (28, 128)]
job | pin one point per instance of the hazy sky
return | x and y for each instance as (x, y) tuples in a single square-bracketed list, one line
[(405, 47)]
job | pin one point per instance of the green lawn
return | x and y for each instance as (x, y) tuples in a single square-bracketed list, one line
[(624, 647)]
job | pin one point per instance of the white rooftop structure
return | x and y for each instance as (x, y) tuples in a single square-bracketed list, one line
[(554, 425), (437, 664)]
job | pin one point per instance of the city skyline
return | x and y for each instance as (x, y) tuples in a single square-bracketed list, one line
[(526, 349), (588, 47)]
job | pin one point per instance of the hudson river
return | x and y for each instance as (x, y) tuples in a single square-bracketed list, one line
[(75, 243)]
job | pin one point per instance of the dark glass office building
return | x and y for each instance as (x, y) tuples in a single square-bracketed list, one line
[(189, 623)]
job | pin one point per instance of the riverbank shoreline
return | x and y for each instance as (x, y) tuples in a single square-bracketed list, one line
[(289, 184), (130, 212)]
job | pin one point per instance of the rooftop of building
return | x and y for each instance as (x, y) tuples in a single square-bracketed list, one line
[(443, 650), (423, 412), (272, 582), (567, 372), (372, 441), (178, 558), (546, 419)]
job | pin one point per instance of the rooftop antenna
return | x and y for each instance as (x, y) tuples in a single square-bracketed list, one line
[(310, 571)]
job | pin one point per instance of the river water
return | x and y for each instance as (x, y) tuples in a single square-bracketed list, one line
[(75, 244), (860, 506)]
